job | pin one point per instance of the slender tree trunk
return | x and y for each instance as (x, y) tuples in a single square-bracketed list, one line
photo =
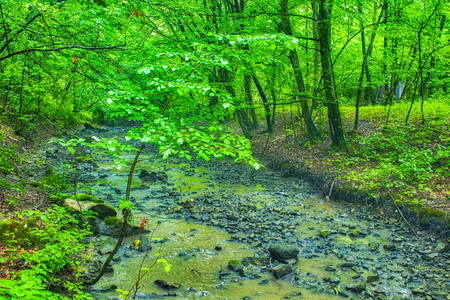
[(311, 128), (316, 77), (334, 115), (249, 99), (432, 59), (241, 114), (363, 67), (264, 99)]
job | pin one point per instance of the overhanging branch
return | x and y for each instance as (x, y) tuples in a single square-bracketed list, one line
[(118, 47)]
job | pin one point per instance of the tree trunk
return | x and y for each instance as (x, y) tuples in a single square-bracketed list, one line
[(364, 65), (249, 99), (316, 77), (313, 132), (264, 99), (241, 114), (334, 115)]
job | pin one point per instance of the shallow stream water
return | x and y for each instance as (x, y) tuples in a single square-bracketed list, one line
[(237, 213)]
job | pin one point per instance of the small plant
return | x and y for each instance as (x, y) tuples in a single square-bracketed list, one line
[(50, 245)]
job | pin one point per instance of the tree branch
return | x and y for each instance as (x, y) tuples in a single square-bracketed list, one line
[(62, 48)]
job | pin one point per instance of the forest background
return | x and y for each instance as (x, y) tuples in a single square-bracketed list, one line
[(355, 92)]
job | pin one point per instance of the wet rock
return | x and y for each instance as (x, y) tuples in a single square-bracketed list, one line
[(373, 246), (356, 288), (152, 176), (250, 270), (283, 253), (108, 245), (101, 209), (281, 270), (235, 265), (330, 269), (186, 203), (442, 248), (144, 244), (372, 277), (418, 291), (167, 286), (389, 247), (115, 229), (430, 256)]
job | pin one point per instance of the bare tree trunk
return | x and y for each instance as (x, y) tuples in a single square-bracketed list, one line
[(311, 128), (363, 67), (334, 115), (264, 99), (249, 99)]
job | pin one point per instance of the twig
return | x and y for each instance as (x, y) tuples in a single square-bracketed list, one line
[(136, 284), (403, 216), (331, 189)]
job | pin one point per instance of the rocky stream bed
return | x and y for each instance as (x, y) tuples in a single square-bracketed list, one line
[(231, 232)]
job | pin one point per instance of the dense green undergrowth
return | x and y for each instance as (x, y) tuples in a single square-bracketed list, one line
[(48, 245), (408, 162)]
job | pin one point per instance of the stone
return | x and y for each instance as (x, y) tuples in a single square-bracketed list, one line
[(107, 246), (186, 203), (152, 176), (102, 210), (356, 288), (281, 270), (167, 286), (442, 247), (372, 277), (144, 244), (283, 253), (235, 265), (389, 247), (115, 229), (91, 222), (373, 246)]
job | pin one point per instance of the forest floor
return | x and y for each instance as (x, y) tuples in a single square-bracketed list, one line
[(387, 161)]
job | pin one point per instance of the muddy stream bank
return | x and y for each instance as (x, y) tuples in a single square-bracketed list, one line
[(230, 232)]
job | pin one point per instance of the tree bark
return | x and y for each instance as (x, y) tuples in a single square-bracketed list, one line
[(334, 115), (264, 99), (311, 128)]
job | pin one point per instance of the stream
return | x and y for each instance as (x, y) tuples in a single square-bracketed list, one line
[(208, 214)]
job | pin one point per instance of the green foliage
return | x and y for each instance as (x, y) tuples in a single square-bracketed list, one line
[(53, 246), (9, 156), (55, 181), (400, 159)]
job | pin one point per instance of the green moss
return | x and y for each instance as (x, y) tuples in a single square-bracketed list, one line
[(111, 220), (425, 213), (86, 198), (235, 262), (16, 233), (89, 125)]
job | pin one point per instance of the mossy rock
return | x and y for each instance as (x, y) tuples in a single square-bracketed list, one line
[(89, 125), (235, 265), (111, 220), (425, 213), (87, 198), (17, 233), (102, 210)]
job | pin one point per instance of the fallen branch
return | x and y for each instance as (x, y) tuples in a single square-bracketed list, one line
[(403, 216)]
